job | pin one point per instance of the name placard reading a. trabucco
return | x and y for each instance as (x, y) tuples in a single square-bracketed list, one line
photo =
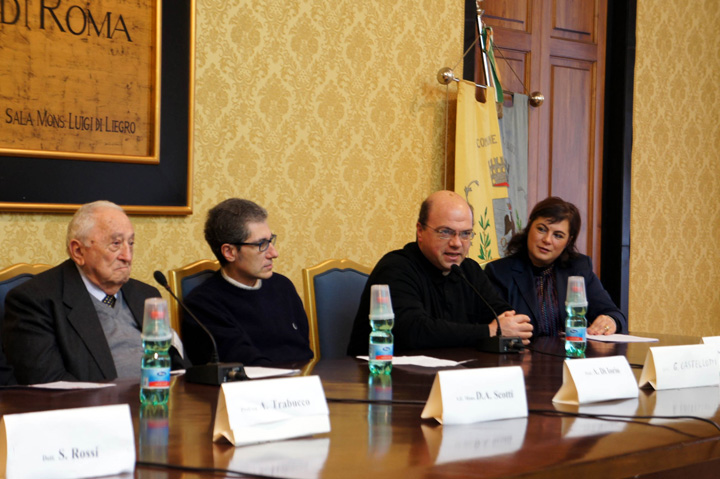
[(675, 367), (251, 412), (67, 443), (474, 395)]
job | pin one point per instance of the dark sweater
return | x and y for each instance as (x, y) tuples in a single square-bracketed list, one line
[(254, 327), (432, 310)]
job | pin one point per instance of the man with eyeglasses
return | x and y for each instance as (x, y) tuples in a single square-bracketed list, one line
[(434, 307), (255, 316), (82, 320)]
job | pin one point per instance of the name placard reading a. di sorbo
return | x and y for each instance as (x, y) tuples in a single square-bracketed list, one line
[(595, 380)]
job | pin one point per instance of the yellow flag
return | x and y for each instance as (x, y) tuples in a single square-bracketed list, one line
[(481, 174)]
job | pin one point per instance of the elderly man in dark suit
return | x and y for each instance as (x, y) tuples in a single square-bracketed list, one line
[(81, 320)]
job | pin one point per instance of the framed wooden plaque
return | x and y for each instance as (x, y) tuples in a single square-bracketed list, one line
[(93, 107)]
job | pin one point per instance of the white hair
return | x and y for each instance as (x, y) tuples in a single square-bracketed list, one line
[(84, 219)]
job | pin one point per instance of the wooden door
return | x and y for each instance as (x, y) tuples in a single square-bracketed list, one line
[(557, 47)]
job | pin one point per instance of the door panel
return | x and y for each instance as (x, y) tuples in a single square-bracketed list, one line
[(572, 138), (574, 20), (512, 14)]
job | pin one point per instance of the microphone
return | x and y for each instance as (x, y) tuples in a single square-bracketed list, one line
[(498, 343), (214, 373)]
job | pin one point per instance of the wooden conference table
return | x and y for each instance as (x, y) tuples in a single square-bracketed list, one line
[(391, 441)]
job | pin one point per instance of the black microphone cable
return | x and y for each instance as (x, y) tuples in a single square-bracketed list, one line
[(548, 353), (625, 418), (202, 470), (545, 412), (457, 270), (214, 372), (380, 402), (497, 343), (160, 278)]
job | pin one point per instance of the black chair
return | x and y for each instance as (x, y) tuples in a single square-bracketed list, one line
[(184, 279), (15, 275)]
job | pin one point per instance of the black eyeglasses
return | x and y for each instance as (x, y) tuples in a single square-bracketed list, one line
[(262, 245), (447, 233)]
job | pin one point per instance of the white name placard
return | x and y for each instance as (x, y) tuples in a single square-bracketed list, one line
[(68, 443), (712, 341), (473, 395), (675, 367), (251, 412), (596, 379)]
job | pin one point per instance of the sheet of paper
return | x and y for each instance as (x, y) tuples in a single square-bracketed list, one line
[(71, 385), (620, 338), (425, 361), (259, 372)]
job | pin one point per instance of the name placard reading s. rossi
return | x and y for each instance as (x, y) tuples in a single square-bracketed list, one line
[(475, 395), (251, 412), (68, 443), (596, 379), (675, 367)]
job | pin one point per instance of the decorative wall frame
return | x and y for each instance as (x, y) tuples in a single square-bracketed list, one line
[(158, 181)]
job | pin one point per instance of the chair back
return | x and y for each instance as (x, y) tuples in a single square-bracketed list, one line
[(15, 275), (332, 294), (184, 279)]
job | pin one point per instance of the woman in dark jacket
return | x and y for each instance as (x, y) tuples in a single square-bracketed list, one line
[(533, 276)]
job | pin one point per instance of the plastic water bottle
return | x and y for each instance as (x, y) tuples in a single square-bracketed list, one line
[(382, 320), (156, 340), (576, 323)]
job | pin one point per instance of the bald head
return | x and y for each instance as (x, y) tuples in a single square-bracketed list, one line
[(443, 212), (442, 199)]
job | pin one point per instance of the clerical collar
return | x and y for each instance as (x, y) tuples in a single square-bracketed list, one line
[(94, 289), (238, 284)]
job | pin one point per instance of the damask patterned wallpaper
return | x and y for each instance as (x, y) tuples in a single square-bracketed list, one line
[(328, 113), (675, 211)]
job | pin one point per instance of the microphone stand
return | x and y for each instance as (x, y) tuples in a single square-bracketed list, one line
[(214, 373), (497, 344)]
